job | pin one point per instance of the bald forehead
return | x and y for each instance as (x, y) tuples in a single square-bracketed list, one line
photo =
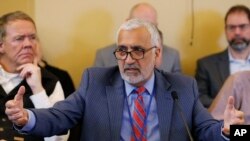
[(235, 16), (144, 12)]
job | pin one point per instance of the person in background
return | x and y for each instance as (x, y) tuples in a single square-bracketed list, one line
[(131, 101), (170, 61), (18, 67), (236, 85), (213, 70)]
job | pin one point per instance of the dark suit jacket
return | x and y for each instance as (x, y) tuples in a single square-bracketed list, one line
[(170, 58), (211, 73), (99, 104)]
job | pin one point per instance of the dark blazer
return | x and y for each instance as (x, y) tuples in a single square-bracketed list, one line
[(211, 73), (99, 102), (170, 58)]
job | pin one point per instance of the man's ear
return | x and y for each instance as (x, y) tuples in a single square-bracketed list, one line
[(158, 57)]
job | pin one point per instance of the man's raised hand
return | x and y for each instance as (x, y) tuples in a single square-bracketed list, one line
[(232, 116), (14, 109)]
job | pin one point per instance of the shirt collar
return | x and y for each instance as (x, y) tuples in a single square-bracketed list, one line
[(149, 85), (231, 59), (6, 76)]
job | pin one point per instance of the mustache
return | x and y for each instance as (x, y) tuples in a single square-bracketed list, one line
[(237, 39), (131, 66)]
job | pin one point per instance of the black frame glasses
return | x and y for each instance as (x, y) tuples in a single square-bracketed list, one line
[(135, 54)]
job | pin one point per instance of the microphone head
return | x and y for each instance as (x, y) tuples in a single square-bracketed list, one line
[(174, 95)]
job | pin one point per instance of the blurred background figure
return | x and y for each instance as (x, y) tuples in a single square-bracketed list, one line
[(213, 70), (170, 61), (237, 85)]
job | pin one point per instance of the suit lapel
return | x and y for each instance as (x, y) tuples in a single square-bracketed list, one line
[(115, 97), (164, 106)]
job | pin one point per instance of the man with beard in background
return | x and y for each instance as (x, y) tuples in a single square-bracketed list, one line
[(213, 70)]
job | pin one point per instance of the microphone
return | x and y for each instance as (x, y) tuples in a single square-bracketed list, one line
[(176, 98)]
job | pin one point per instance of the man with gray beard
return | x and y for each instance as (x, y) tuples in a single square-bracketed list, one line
[(213, 70)]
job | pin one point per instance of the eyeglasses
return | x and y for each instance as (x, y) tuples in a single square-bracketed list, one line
[(242, 27), (135, 54)]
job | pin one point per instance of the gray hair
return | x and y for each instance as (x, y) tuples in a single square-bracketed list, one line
[(136, 23), (12, 16)]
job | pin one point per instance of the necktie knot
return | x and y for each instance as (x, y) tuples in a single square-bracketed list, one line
[(140, 90)]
